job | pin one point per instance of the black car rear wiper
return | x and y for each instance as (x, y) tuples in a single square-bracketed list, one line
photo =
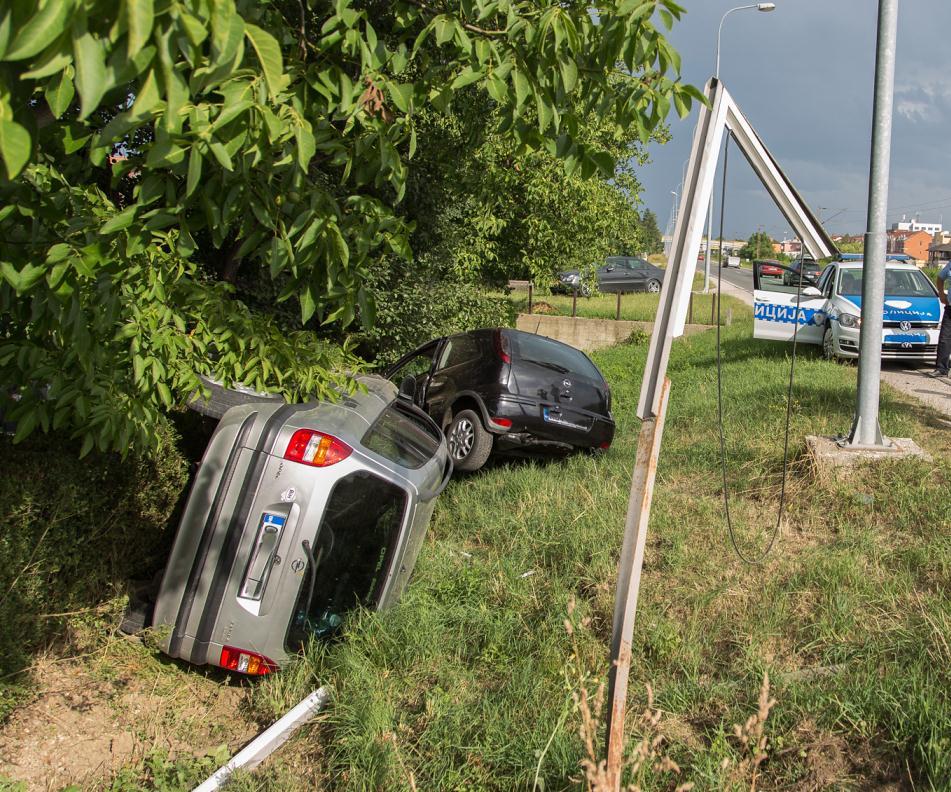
[(547, 364)]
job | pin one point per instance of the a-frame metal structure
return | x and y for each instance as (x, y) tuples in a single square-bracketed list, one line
[(720, 116)]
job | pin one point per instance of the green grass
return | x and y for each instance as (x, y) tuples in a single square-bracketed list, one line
[(468, 683)]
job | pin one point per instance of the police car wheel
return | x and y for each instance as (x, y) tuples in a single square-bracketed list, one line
[(828, 344)]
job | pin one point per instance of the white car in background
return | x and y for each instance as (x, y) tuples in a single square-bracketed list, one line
[(828, 311)]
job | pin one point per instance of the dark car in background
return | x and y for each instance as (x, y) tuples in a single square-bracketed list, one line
[(506, 390), (617, 274), (806, 267)]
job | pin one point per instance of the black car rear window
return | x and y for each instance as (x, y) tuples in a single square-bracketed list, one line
[(403, 436), (552, 354)]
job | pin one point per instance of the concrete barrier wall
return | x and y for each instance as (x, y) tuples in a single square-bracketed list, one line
[(588, 334)]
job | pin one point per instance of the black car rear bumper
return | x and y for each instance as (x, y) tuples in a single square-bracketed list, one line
[(565, 428)]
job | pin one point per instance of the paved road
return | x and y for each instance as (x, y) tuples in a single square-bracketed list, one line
[(905, 376)]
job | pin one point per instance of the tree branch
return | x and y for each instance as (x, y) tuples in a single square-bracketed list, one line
[(466, 25)]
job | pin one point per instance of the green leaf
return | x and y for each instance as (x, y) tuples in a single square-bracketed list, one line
[(682, 105), (269, 55), (15, 147), (141, 15), (466, 77), (54, 61), (148, 96), (90, 71), (306, 146), (402, 94), (194, 170), (221, 154), (667, 18), (60, 92), (569, 74), (25, 426), (164, 393), (119, 221), (545, 112), (307, 305), (41, 30), (605, 163), (523, 87)]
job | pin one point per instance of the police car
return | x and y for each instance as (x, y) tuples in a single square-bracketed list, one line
[(828, 310)]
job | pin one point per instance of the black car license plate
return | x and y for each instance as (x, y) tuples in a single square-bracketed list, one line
[(555, 417)]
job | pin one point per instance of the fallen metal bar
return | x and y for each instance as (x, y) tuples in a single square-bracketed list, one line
[(629, 580), (267, 741)]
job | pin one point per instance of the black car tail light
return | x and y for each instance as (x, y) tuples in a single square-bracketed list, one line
[(502, 346)]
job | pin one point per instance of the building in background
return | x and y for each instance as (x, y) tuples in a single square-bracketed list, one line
[(915, 225), (914, 244), (790, 247), (939, 253)]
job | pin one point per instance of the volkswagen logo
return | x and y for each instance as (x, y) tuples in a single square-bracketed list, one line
[(566, 383), (904, 325)]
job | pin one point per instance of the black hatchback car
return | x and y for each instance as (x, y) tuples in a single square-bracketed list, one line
[(806, 267), (506, 390)]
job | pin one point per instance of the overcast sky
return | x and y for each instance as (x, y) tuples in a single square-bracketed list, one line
[(803, 76)]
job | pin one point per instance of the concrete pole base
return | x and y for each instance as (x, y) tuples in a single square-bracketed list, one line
[(827, 454)]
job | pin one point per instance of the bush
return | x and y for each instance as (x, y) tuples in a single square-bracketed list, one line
[(416, 305), (75, 531)]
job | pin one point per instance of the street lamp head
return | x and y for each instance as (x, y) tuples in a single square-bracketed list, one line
[(766, 6)]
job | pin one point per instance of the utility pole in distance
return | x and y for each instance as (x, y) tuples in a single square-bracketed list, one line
[(866, 431)]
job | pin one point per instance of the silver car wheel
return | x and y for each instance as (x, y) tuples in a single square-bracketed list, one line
[(460, 439), (653, 286)]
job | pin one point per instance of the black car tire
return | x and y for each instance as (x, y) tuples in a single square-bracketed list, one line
[(653, 285), (828, 345), (469, 442), (137, 616), (222, 399)]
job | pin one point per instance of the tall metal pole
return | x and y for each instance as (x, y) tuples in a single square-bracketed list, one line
[(866, 430), (716, 73)]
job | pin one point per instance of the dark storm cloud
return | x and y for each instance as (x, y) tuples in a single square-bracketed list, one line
[(803, 75)]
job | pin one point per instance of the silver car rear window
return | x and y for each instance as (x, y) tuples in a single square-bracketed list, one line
[(352, 551), (403, 436)]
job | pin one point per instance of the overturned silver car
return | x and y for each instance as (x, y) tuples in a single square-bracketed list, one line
[(298, 513)]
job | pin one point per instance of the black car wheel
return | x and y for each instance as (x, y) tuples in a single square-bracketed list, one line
[(469, 443), (653, 285)]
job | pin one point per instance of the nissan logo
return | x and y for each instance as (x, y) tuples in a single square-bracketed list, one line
[(904, 325)]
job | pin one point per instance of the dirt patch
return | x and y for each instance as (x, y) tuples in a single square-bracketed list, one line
[(89, 719)]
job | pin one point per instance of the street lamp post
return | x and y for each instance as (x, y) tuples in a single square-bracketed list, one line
[(716, 73), (866, 430)]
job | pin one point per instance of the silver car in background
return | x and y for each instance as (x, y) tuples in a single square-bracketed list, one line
[(298, 514)]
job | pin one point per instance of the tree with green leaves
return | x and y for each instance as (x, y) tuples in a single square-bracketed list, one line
[(157, 151), (650, 231), (758, 246)]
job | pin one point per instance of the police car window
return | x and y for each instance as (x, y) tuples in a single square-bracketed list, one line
[(898, 283)]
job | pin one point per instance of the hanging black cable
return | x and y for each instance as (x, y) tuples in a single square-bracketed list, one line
[(789, 393)]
